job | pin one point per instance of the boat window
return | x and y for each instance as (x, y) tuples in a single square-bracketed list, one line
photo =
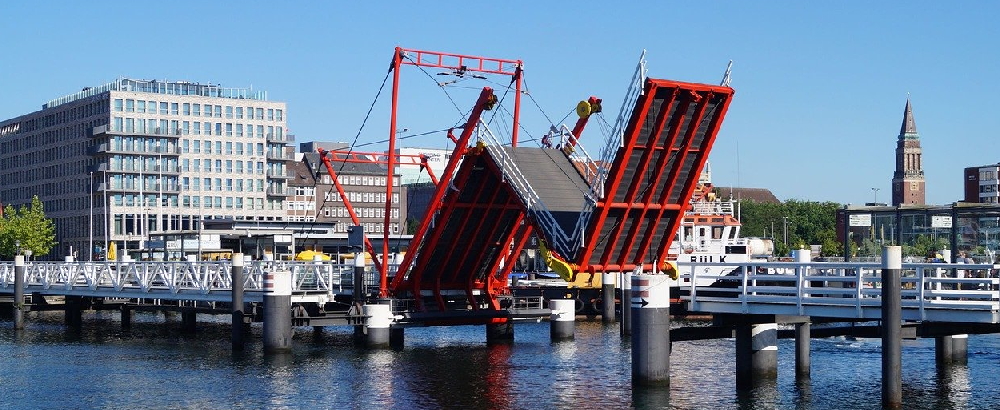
[(717, 232)]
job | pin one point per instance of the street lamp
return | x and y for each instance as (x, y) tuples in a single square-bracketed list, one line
[(91, 200), (785, 222), (875, 190)]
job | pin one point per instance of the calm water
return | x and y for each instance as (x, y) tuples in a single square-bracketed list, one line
[(156, 367)]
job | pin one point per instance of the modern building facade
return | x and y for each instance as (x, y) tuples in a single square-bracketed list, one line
[(131, 160), (908, 180), (982, 184)]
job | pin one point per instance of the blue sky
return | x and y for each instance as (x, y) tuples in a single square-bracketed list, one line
[(820, 86)]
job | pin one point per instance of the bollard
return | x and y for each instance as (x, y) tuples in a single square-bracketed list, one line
[(238, 321), (892, 376), (277, 311), (19, 292), (650, 330), (377, 325), (608, 297), (562, 321)]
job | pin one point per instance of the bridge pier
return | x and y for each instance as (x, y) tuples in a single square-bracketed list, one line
[(608, 297), (626, 295), (74, 311), (500, 333), (19, 292), (562, 321), (126, 317), (756, 352), (949, 350), (892, 374), (802, 339), (189, 321), (277, 311), (650, 304), (238, 332), (377, 325)]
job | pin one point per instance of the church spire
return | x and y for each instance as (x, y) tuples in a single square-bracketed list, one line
[(909, 126)]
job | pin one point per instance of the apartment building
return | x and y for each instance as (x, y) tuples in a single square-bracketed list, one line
[(132, 160)]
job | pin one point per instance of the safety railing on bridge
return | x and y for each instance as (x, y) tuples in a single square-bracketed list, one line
[(844, 289), (533, 203), (178, 280)]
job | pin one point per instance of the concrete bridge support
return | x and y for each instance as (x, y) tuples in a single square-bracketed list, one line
[(626, 287), (238, 334), (802, 365), (500, 333), (74, 311), (949, 350), (277, 311), (562, 321), (756, 353), (892, 374), (377, 325), (126, 318), (608, 297), (650, 304), (19, 292), (189, 321)]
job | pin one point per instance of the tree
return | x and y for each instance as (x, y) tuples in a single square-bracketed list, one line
[(806, 223), (26, 228)]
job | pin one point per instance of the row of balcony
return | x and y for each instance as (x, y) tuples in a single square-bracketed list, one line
[(107, 148), (172, 169), (149, 188), (104, 130)]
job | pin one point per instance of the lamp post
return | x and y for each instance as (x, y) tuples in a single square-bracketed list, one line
[(875, 190), (785, 223), (91, 200)]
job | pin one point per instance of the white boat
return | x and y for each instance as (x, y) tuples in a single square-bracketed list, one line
[(710, 233)]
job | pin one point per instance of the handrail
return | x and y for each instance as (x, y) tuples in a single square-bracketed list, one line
[(532, 201), (852, 287)]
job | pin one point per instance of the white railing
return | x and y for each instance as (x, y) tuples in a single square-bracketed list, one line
[(930, 291), (614, 140), (176, 280), (532, 202)]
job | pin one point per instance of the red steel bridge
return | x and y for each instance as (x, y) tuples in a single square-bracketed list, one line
[(612, 214)]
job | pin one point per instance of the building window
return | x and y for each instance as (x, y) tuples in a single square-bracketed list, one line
[(279, 116), (130, 105), (196, 109), (187, 109), (208, 110), (163, 108), (174, 108), (118, 104)]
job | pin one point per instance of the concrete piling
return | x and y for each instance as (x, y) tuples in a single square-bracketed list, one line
[(650, 330), (19, 307), (608, 297), (358, 295), (562, 321), (377, 325), (949, 350), (238, 321), (892, 376), (756, 353), (277, 311), (626, 286), (802, 336), (500, 333)]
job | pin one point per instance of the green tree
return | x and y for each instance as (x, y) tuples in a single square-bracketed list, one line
[(793, 224), (26, 228)]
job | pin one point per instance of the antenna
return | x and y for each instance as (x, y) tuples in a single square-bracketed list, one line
[(725, 77)]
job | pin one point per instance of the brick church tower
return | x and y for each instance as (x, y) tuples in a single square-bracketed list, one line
[(908, 180)]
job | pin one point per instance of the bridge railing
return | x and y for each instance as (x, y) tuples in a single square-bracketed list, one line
[(178, 277), (924, 285)]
